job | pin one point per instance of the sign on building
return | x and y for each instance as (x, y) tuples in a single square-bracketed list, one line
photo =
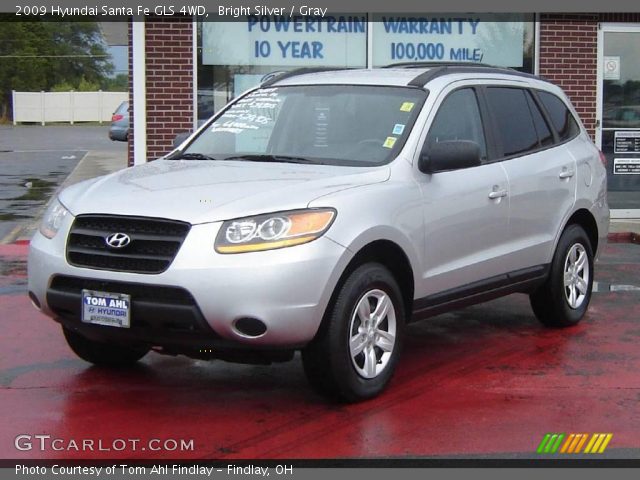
[(341, 41), (281, 40), (492, 39)]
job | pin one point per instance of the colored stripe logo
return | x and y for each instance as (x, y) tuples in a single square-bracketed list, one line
[(574, 443)]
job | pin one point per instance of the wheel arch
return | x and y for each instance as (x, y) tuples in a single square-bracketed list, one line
[(392, 256), (587, 221)]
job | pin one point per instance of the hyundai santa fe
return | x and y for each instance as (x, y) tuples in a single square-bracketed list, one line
[(322, 212)]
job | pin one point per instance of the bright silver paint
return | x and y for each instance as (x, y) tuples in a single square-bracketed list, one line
[(455, 227)]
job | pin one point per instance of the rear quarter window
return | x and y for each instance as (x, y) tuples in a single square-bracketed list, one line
[(560, 116), (544, 132)]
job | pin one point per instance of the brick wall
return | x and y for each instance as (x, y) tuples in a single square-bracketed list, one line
[(169, 68), (568, 57)]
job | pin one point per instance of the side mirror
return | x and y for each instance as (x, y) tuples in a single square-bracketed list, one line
[(179, 138), (450, 155)]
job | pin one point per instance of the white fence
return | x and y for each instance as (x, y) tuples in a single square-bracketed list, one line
[(69, 107)]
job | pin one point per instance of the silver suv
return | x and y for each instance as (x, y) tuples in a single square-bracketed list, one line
[(322, 212)]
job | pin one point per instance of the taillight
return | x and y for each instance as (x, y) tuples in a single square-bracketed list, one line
[(603, 159), (116, 117)]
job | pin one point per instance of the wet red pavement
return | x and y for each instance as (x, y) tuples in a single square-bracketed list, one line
[(486, 381)]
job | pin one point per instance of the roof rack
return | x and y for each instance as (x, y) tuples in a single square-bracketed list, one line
[(435, 64), (277, 76), (436, 69), (445, 69)]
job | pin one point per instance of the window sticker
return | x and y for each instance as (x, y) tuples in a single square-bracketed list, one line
[(389, 142), (407, 106), (321, 127), (398, 129)]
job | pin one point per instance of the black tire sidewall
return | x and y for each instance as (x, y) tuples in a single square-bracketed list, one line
[(573, 235), (351, 386)]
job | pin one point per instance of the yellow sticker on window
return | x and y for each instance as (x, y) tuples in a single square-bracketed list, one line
[(389, 142), (407, 106)]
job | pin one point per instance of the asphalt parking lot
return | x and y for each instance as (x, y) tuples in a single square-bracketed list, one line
[(35, 160), (488, 381)]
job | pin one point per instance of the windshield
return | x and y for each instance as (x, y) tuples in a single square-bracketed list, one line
[(324, 124)]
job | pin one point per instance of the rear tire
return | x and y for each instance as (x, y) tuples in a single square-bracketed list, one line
[(103, 354), (564, 298), (357, 348)]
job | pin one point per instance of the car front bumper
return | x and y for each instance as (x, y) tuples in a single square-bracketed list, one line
[(286, 289)]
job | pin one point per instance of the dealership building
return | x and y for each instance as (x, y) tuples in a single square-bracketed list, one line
[(185, 69)]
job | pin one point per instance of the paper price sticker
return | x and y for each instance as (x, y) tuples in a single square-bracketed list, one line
[(398, 129), (407, 106), (389, 142)]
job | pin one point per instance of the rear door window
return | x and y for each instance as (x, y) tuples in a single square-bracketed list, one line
[(515, 126)]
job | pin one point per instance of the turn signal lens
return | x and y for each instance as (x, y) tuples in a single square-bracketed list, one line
[(53, 218)]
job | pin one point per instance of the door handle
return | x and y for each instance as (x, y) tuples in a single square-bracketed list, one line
[(566, 173), (498, 193)]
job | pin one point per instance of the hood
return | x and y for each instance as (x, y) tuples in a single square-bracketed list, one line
[(208, 191)]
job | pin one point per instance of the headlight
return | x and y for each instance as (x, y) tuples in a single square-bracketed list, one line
[(53, 218), (273, 230)]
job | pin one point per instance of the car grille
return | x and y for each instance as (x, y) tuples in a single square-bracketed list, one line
[(154, 243)]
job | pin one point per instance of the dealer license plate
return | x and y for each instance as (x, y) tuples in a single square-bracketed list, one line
[(103, 308)]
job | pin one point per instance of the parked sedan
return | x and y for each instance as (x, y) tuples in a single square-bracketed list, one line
[(119, 129)]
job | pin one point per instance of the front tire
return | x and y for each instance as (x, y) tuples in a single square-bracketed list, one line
[(103, 354), (356, 351), (564, 298)]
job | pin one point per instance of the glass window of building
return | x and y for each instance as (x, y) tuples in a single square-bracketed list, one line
[(505, 40), (234, 56)]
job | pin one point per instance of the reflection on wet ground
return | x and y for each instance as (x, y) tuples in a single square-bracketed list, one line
[(486, 381), (13, 271), (27, 182), (35, 160)]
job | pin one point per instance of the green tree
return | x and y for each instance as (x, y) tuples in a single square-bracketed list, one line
[(62, 87), (39, 54), (119, 83)]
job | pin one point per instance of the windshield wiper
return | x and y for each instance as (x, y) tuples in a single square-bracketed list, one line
[(271, 158), (192, 156)]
